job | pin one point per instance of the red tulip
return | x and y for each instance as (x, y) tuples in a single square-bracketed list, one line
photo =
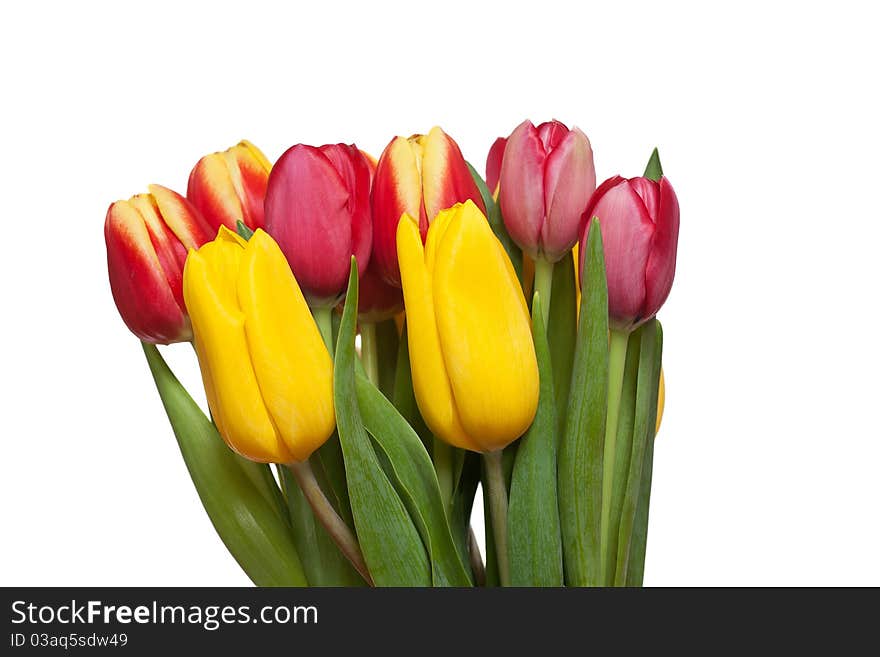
[(419, 176), (639, 219), (229, 187), (318, 210), (377, 300), (547, 177), (493, 163), (147, 239)]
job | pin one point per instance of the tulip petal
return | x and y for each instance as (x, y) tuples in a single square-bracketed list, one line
[(291, 363), (354, 169), (184, 220), (211, 189), (249, 171), (168, 248), (138, 281), (649, 192), (306, 213), (430, 381), (493, 164), (221, 343), (569, 181), (446, 179), (661, 262), (626, 235), (397, 190), (484, 332), (521, 194)]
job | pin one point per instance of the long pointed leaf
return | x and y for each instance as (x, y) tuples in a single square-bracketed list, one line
[(562, 333), (535, 543), (415, 481), (403, 397), (247, 522), (580, 454), (388, 538), (622, 449), (634, 522)]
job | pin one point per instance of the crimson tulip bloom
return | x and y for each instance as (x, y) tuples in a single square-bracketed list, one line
[(229, 187), (547, 177), (639, 219), (418, 176), (318, 210), (147, 240)]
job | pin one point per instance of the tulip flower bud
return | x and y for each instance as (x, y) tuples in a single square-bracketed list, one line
[(474, 370), (639, 219), (229, 187), (268, 376), (493, 163), (547, 177), (419, 176), (318, 209), (147, 238)]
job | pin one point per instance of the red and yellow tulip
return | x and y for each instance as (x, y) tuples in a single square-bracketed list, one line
[(147, 239), (419, 176), (229, 187)]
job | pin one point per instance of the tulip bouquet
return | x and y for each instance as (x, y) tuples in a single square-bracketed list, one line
[(379, 340)]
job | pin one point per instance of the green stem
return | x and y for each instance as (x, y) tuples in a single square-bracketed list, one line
[(443, 465), (324, 320), (498, 506), (369, 352), (326, 514), (544, 286), (616, 366)]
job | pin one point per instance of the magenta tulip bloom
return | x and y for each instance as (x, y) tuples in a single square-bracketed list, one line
[(547, 177), (318, 210), (639, 220)]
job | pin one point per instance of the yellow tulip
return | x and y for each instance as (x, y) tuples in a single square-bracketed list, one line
[(475, 375), (268, 376)]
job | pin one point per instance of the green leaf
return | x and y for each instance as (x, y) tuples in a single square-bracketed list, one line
[(247, 522), (582, 444), (535, 543), (242, 229), (415, 481), (562, 332), (387, 345), (654, 171), (622, 449), (404, 398), (496, 221), (390, 542), (634, 515), (330, 460)]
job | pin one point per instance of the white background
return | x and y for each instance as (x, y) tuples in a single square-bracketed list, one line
[(766, 116)]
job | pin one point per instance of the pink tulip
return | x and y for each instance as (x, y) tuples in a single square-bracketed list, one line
[(318, 210), (639, 220), (547, 177)]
